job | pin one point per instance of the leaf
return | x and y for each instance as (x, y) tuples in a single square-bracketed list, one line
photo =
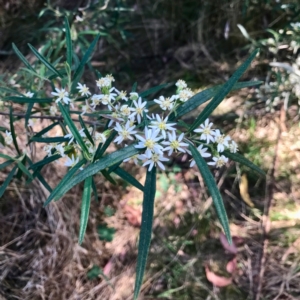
[(7, 180), (95, 192), (73, 128), (68, 42), (108, 177), (12, 130), (213, 190), (44, 61), (92, 169), (27, 100), (244, 161), (244, 190), (45, 161), (45, 130), (106, 233), (47, 140), (87, 133), (146, 229), (154, 90), (84, 60), (22, 57), (222, 93), (64, 181), (134, 87), (128, 178), (28, 113), (85, 208), (6, 164), (100, 150)]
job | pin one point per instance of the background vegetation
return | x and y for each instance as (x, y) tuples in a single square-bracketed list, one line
[(150, 42)]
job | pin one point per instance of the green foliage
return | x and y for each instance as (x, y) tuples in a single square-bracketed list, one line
[(106, 233)]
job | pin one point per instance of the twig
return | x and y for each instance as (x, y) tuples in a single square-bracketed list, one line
[(59, 118), (266, 224)]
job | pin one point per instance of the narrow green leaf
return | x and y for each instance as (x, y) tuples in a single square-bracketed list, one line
[(68, 42), (213, 190), (128, 178), (85, 130), (84, 60), (146, 229), (108, 177), (22, 57), (20, 172), (94, 168), (24, 169), (47, 140), (222, 93), (244, 161), (7, 180), (12, 130), (85, 208), (27, 100), (64, 181), (73, 128), (45, 161), (95, 192), (134, 87), (44, 61), (6, 164), (154, 90), (10, 91), (205, 95), (45, 130), (28, 113), (6, 156)]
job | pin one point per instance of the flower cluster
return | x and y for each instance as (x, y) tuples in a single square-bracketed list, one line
[(128, 115)]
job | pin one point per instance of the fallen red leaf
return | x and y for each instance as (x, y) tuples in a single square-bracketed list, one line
[(217, 280)]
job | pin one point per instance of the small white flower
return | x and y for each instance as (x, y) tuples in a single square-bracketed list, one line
[(69, 136), (125, 110), (162, 125), (95, 100), (202, 152), (153, 159), (181, 84), (103, 82), (185, 95), (233, 147), (100, 137), (31, 122), (62, 95), (206, 132), (134, 158), (8, 137), (83, 90), (138, 110), (175, 144), (150, 141), (48, 148), (60, 148), (218, 161), (71, 162), (85, 109), (221, 140), (124, 132), (166, 103), (133, 96), (122, 95), (29, 95), (53, 110)]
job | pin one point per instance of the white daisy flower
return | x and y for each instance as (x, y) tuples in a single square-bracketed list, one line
[(53, 110), (166, 103), (100, 137), (207, 133), (60, 148), (83, 90), (181, 84), (124, 132), (8, 137), (48, 148), (69, 136), (233, 147), (122, 95), (103, 82), (62, 95), (221, 140), (153, 159), (71, 162), (150, 141), (125, 110), (185, 95), (29, 95), (162, 125), (174, 143), (203, 153), (134, 158), (218, 161), (138, 110)]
